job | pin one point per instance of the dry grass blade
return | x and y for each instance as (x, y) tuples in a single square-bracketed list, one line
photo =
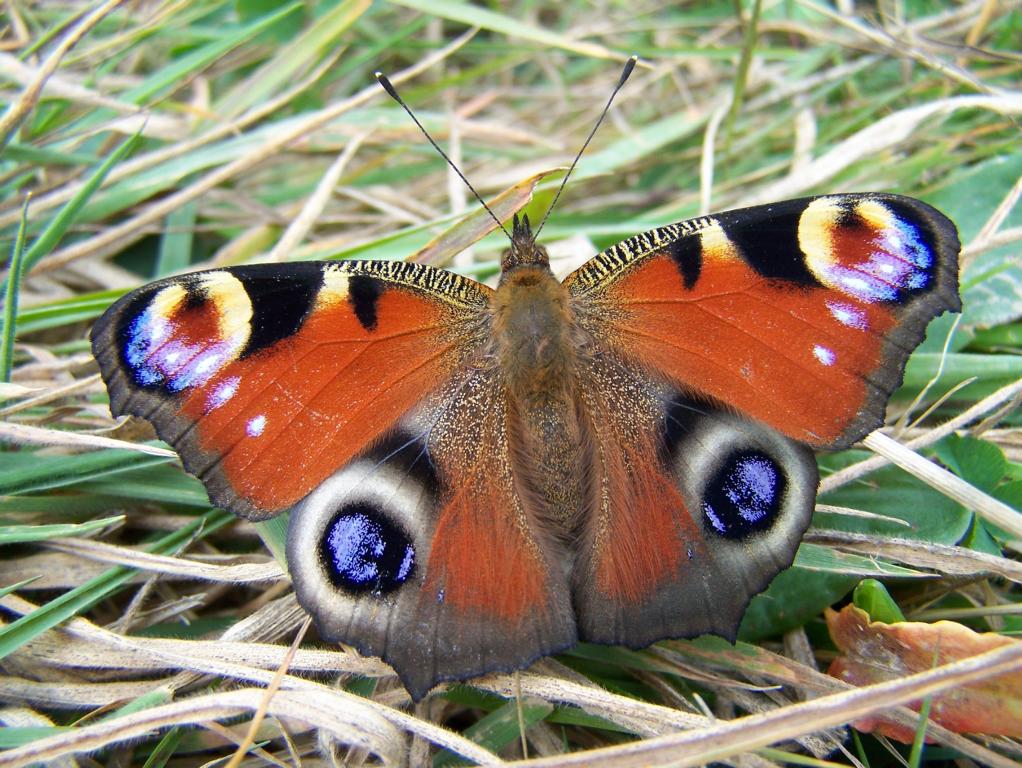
[(304, 221), (172, 566), (1004, 395), (354, 725), (878, 137), (20, 107), (733, 738), (948, 560), (25, 434)]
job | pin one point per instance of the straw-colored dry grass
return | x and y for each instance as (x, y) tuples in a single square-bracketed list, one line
[(145, 629)]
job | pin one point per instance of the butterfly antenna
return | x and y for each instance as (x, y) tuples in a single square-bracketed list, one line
[(629, 66), (392, 92)]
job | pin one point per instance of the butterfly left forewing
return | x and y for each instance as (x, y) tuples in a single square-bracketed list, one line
[(267, 378)]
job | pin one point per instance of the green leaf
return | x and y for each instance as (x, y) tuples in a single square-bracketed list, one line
[(499, 728), (165, 749), (992, 284), (65, 312), (992, 371), (931, 515), (155, 698), (184, 67), (794, 597), (977, 461)]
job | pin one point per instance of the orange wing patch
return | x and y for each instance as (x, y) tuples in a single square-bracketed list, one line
[(333, 380), (482, 564), (795, 360)]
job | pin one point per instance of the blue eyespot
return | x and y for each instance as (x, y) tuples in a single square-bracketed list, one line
[(744, 495), (366, 553)]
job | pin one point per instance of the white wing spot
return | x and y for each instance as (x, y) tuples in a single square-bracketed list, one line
[(256, 425), (824, 355)]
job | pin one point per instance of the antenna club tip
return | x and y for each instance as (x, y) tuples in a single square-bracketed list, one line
[(387, 86), (629, 66)]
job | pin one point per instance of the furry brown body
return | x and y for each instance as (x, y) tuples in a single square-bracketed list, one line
[(535, 335)]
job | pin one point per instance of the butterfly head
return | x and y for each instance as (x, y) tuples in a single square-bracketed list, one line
[(524, 251)]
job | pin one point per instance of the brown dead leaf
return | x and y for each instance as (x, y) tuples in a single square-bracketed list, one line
[(874, 652)]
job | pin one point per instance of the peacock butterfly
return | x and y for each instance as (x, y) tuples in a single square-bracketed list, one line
[(480, 477)]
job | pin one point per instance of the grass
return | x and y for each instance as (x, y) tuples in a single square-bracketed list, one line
[(143, 627)]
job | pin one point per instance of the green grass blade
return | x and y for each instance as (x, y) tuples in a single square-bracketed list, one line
[(59, 224), (11, 298), (477, 16), (20, 534), (288, 61), (742, 71), (185, 67), (176, 243), (29, 473)]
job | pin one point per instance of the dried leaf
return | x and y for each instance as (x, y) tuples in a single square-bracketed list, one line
[(875, 652)]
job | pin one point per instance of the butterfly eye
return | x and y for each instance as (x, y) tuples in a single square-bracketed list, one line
[(363, 551), (745, 494)]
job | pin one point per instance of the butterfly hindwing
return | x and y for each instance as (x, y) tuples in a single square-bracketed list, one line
[(424, 552), (699, 508), (268, 378), (799, 314)]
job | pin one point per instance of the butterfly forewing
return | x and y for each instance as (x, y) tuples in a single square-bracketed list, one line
[(268, 378), (799, 314)]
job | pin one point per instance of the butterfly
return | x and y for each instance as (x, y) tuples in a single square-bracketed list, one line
[(480, 477)]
